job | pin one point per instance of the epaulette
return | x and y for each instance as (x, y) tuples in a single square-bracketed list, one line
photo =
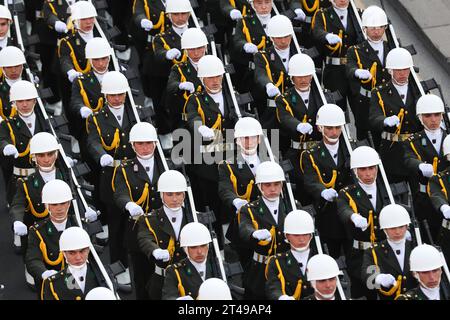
[(349, 188), (254, 203), (39, 224), (415, 136)]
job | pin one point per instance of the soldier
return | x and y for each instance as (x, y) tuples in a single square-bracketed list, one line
[(261, 226), (325, 169), (5, 27), (426, 264), (100, 293), (214, 289), (134, 186), (385, 265), (365, 68), (159, 231), (286, 272), (393, 113), (322, 272), (358, 208), (183, 279)]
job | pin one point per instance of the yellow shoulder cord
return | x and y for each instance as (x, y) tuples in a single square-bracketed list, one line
[(298, 290), (217, 125), (401, 116), (248, 38), (86, 99), (256, 227), (373, 70), (13, 140), (233, 3), (74, 58), (53, 290), (114, 144), (171, 247), (381, 103), (40, 215), (444, 189), (413, 147), (312, 9), (280, 81), (52, 8), (280, 275), (313, 20), (43, 248), (151, 229), (397, 289), (113, 180), (182, 79), (301, 162), (180, 284), (337, 46), (42, 288), (435, 165), (244, 11), (144, 195), (351, 202), (248, 191), (160, 23), (331, 183), (167, 48)]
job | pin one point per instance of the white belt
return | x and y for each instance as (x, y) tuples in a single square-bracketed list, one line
[(260, 258), (446, 224), (160, 271), (361, 245), (336, 61), (395, 137), (38, 14), (303, 145), (149, 38), (218, 147), (23, 172), (422, 188), (365, 93), (308, 20), (251, 65), (271, 103)]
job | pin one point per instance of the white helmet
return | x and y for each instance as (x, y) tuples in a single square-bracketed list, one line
[(5, 13), (97, 48), (321, 267), (193, 38), (330, 115), (82, 10), (298, 222), (74, 238), (11, 56), (301, 65), (210, 66), (393, 216), (214, 289), (22, 90), (100, 293), (374, 16), (43, 142), (279, 26), (398, 59), (172, 181), (247, 127), (425, 258), (143, 132), (56, 191), (429, 103), (363, 157), (178, 6), (194, 234), (114, 82), (269, 171), (446, 145)]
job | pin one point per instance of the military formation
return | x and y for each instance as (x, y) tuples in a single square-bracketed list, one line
[(207, 149)]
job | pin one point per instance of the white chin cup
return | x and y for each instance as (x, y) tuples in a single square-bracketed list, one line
[(174, 210), (25, 115), (302, 249), (332, 140), (61, 219), (47, 169), (271, 199), (246, 151), (77, 267), (147, 157)]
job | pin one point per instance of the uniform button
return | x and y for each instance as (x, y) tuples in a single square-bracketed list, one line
[(107, 134), (123, 134), (124, 146), (160, 241), (375, 227), (136, 188), (406, 112), (404, 278), (177, 254)]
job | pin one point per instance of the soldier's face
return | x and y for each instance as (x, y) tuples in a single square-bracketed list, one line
[(368, 174), (249, 144), (4, 27), (282, 43), (86, 25), (396, 234), (341, 3), (58, 211), (173, 199), (77, 257), (331, 132), (179, 19), (432, 121), (262, 7), (116, 100), (101, 64), (213, 84), (144, 148), (375, 33), (25, 106), (198, 253), (271, 190), (431, 279), (401, 76), (13, 73), (298, 240), (196, 54), (326, 287), (46, 159), (302, 83)]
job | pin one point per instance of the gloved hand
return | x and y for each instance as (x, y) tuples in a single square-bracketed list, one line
[(304, 128), (48, 273), (206, 132), (250, 48), (73, 74), (426, 169), (363, 74), (286, 297), (146, 24), (185, 298), (329, 194), (300, 15), (71, 162), (359, 221), (408, 235), (36, 79), (173, 53), (445, 209), (85, 112), (391, 121), (333, 39), (60, 27), (161, 254), (238, 203), (262, 234), (10, 150), (20, 229), (235, 14), (134, 209), (385, 280), (90, 214), (187, 85), (271, 90), (106, 160)]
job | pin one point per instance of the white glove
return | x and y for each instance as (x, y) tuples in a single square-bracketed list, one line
[(106, 160), (187, 85), (238, 203), (408, 235), (363, 74), (36, 79), (426, 169), (206, 132), (391, 121), (445, 209), (10, 150), (71, 162), (185, 298), (146, 24), (20, 229), (271, 90), (262, 234), (286, 297), (333, 39), (85, 112), (134, 209), (300, 14), (385, 280), (48, 273), (90, 214), (304, 128), (329, 194), (73, 74), (235, 14), (161, 254), (61, 27), (173, 53), (359, 221), (250, 48)]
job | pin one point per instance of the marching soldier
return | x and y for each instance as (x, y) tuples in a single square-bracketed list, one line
[(100, 293), (286, 272), (6, 38), (159, 231), (325, 169), (385, 265), (393, 113), (322, 272), (214, 289)]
